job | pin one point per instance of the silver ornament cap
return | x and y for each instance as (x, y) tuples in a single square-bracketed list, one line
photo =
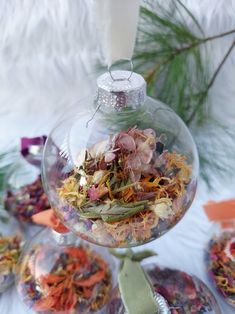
[(162, 306), (120, 89)]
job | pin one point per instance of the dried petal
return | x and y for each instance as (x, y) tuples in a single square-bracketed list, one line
[(125, 142), (95, 193), (149, 133), (162, 208), (92, 280), (109, 157), (133, 162), (99, 148), (98, 175), (145, 153)]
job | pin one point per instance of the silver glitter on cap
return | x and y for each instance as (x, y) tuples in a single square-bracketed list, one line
[(162, 306), (120, 89)]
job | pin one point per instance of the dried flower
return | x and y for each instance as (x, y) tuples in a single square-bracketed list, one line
[(128, 186), (162, 208), (27, 201), (221, 264), (9, 254), (70, 192), (95, 193), (79, 280)]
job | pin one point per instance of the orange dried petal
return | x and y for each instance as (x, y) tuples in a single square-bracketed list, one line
[(71, 301), (67, 300), (44, 304), (56, 291), (93, 279), (87, 293), (78, 253), (102, 264), (72, 267), (51, 279)]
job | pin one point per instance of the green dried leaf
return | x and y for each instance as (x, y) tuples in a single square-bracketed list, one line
[(122, 213), (114, 211)]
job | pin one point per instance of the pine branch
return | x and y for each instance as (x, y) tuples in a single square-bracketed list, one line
[(167, 48), (178, 51), (7, 158), (171, 53), (203, 41), (192, 16), (225, 34), (216, 73), (171, 57)]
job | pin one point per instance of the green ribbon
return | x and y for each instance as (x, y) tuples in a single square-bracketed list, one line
[(136, 290)]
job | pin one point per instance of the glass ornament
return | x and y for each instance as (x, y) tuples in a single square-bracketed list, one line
[(124, 170), (59, 273), (10, 246), (220, 261), (24, 195), (179, 292)]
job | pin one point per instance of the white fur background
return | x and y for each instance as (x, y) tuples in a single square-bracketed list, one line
[(48, 50)]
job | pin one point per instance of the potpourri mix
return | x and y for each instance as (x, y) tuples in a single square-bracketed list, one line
[(78, 281), (129, 188), (27, 201), (221, 264), (9, 254), (184, 294)]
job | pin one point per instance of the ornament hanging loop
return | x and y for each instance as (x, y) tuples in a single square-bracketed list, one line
[(125, 78), (96, 110)]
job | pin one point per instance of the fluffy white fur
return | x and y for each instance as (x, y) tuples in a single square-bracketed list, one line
[(47, 50), (47, 53)]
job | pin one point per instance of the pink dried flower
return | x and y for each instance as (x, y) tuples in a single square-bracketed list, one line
[(149, 169), (125, 142), (133, 167), (144, 152), (161, 160), (136, 133), (109, 157), (140, 144), (95, 193)]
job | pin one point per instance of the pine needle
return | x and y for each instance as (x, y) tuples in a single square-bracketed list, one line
[(172, 56), (7, 159), (167, 54)]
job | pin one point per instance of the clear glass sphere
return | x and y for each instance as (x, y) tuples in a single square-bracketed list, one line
[(220, 262), (24, 194), (184, 293), (10, 246), (121, 178), (59, 273)]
